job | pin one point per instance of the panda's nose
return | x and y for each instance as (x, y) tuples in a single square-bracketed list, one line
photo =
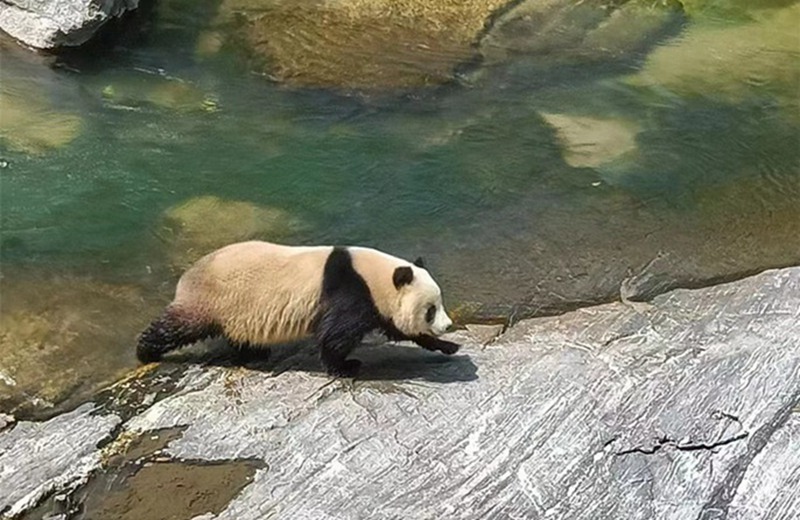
[(448, 325)]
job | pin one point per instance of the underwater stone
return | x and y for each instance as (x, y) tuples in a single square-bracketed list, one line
[(47, 24), (201, 224), (29, 123), (62, 337), (731, 61), (568, 32), (592, 142), (360, 43)]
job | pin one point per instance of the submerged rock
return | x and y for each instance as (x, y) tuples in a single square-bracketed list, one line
[(29, 123), (64, 335), (732, 61), (729, 9), (361, 43), (163, 92), (568, 32), (47, 24), (202, 224), (592, 142)]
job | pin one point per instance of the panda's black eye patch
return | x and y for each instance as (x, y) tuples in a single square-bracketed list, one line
[(430, 313)]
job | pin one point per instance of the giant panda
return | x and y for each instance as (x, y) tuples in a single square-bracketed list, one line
[(257, 293)]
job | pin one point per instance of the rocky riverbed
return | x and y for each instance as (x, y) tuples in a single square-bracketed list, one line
[(684, 407)]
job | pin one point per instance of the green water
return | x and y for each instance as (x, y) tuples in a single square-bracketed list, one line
[(469, 175)]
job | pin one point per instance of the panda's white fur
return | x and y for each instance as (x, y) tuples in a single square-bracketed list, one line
[(259, 293)]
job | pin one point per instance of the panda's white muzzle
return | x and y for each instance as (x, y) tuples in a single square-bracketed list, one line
[(441, 324)]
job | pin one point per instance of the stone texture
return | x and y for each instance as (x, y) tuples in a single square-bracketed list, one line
[(484, 334), (769, 486), (47, 24), (683, 408), (202, 224), (733, 62), (593, 142), (362, 44), (568, 32), (36, 458), (30, 123)]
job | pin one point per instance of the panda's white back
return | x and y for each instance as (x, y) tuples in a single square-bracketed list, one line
[(258, 292)]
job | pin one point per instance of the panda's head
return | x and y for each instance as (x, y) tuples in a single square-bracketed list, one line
[(420, 310)]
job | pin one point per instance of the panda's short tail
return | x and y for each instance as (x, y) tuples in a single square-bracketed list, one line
[(172, 330)]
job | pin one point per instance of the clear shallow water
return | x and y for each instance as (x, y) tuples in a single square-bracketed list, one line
[(668, 188)]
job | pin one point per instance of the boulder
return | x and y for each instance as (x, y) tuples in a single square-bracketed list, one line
[(46, 24), (360, 43)]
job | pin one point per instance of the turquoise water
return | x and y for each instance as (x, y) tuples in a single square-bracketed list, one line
[(470, 175)]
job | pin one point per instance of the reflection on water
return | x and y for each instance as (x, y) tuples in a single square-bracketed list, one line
[(543, 179)]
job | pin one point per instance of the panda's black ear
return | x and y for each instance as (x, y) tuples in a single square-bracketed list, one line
[(402, 276), (419, 262)]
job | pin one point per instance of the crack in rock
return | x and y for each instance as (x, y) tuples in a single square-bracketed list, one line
[(666, 441), (719, 503)]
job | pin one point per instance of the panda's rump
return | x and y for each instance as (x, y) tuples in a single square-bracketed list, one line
[(258, 293)]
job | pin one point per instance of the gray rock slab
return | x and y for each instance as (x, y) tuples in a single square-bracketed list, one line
[(46, 24), (37, 458), (770, 486), (684, 408)]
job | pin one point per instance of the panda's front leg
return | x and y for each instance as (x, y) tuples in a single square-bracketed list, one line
[(338, 334), (433, 343)]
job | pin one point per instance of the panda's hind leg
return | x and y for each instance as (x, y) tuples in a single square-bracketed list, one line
[(173, 329)]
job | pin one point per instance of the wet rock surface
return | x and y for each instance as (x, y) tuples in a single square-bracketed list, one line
[(676, 408), (360, 43), (46, 24), (39, 458), (55, 336)]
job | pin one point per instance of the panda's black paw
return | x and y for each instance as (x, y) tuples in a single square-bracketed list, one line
[(447, 347), (348, 368)]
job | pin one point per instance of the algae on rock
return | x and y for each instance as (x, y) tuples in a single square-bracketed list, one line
[(162, 92)]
